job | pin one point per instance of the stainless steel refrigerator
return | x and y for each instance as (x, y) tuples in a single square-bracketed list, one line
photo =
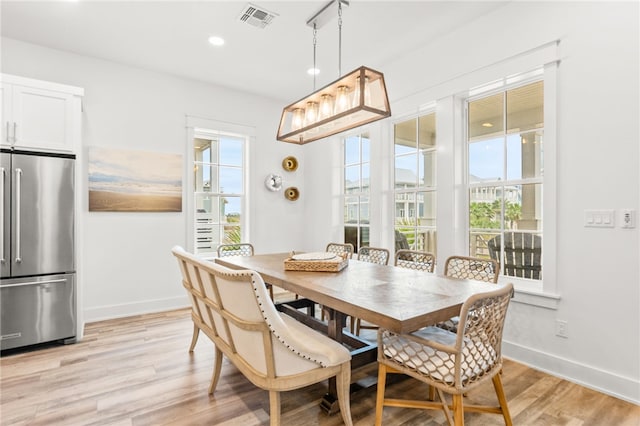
[(37, 286)]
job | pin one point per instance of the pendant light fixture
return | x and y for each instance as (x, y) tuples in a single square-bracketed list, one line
[(357, 98)]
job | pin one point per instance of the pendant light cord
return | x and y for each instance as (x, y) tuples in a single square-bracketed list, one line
[(315, 69), (339, 37)]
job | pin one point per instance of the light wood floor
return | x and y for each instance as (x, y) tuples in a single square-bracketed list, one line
[(137, 371)]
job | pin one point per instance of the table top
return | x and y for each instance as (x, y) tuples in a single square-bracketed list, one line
[(399, 299)]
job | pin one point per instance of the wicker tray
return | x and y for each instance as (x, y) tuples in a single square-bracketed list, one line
[(336, 264)]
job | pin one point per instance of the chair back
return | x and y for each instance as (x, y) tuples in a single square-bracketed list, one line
[(472, 268), (412, 259), (240, 249), (233, 308), (522, 254), (339, 248), (374, 255)]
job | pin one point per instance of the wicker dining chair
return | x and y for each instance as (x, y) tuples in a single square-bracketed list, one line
[(240, 249), (452, 363), (414, 259), (374, 255), (339, 248), (272, 350), (371, 255), (472, 268)]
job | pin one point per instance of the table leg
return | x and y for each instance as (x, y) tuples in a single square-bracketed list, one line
[(337, 321)]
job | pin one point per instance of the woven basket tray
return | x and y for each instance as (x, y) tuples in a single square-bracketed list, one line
[(331, 265)]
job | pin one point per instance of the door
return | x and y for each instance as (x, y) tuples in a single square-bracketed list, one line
[(5, 213), (42, 215)]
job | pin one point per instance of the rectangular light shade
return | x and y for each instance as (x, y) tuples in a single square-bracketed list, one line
[(355, 99)]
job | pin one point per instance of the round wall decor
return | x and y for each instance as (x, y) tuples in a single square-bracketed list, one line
[(292, 193), (290, 163), (273, 182)]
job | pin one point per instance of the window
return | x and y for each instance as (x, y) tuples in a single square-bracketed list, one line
[(505, 132), (357, 160), (415, 183), (218, 168)]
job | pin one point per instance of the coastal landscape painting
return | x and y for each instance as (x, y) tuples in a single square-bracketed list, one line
[(134, 181)]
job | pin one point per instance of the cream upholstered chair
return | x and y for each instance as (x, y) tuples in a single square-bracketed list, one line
[(371, 255), (472, 268), (374, 255), (452, 363), (274, 351), (339, 248), (413, 259)]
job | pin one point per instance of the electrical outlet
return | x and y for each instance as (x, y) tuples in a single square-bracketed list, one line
[(628, 218), (561, 329)]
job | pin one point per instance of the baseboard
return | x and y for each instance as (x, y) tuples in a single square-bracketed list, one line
[(613, 384), (137, 308)]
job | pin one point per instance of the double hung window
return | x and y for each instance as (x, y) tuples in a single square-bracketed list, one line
[(356, 190)]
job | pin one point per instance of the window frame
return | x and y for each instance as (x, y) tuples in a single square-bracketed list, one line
[(360, 134)]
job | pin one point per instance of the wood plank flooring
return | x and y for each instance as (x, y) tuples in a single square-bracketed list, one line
[(137, 371)]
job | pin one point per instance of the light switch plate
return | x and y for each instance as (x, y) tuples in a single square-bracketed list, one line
[(627, 218), (599, 218)]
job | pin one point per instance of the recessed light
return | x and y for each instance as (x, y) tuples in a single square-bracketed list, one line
[(487, 125), (313, 71), (216, 41)]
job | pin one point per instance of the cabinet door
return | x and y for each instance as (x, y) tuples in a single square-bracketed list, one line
[(5, 114), (43, 118)]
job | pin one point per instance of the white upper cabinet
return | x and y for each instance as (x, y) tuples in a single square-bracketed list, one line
[(40, 115)]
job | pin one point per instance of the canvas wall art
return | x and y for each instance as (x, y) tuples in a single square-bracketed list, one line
[(134, 181)]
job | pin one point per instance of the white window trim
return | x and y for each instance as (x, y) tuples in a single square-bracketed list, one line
[(199, 125)]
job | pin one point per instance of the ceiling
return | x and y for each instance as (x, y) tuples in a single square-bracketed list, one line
[(171, 36)]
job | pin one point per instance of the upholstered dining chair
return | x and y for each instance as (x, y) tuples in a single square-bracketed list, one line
[(371, 255), (272, 350), (339, 248), (414, 259), (452, 363)]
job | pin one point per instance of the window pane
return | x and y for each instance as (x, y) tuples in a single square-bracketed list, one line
[(525, 107), (231, 151), (485, 207), (351, 210), (366, 178), (231, 208), (478, 243), (486, 160), (524, 155), (524, 212), (426, 240), (352, 179), (426, 205), (205, 178), (232, 234), (364, 209), (352, 150), (405, 137), (205, 150), (406, 172), (427, 134), (486, 116), (366, 149), (364, 236), (207, 208), (351, 236), (427, 168), (231, 180)]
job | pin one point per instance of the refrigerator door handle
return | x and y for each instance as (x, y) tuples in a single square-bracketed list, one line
[(2, 207), (18, 190), (35, 282)]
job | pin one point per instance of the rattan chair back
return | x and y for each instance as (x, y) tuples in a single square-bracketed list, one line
[(339, 248), (413, 259), (374, 255), (472, 268), (240, 249)]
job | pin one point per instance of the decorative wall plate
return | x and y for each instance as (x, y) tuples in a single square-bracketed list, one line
[(290, 163), (292, 193), (273, 182)]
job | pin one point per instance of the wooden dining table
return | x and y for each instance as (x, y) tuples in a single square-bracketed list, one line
[(398, 299)]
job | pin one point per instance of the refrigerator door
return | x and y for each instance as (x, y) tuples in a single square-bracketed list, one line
[(5, 213), (37, 310), (43, 215)]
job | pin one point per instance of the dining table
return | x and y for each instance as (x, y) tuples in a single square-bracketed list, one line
[(398, 299)]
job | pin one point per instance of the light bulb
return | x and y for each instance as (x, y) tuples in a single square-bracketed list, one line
[(326, 106), (342, 99), (312, 113), (297, 119), (367, 92)]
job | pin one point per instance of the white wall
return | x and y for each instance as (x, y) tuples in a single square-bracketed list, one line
[(127, 264), (598, 159)]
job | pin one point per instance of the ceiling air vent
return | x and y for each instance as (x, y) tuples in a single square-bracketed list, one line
[(256, 16)]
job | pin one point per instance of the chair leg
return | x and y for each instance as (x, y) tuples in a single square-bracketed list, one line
[(217, 367), (343, 384), (357, 321), (458, 410), (274, 408), (382, 379), (432, 393), (194, 338), (497, 384)]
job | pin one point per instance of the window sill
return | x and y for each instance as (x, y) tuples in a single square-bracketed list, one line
[(531, 292)]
